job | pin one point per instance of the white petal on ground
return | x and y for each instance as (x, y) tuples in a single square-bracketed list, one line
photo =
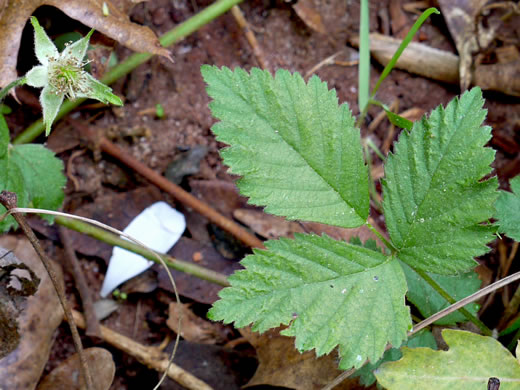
[(159, 226)]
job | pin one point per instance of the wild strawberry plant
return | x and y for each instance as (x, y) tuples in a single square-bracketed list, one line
[(300, 155), (32, 171)]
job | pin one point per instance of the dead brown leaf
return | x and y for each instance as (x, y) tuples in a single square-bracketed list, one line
[(22, 368), (461, 18), (308, 12), (273, 227), (280, 364), (267, 225), (193, 328), (17, 282), (116, 25), (67, 375)]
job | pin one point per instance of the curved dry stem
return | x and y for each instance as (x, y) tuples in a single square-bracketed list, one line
[(437, 316), (127, 236)]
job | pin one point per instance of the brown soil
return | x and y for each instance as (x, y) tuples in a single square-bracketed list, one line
[(286, 42)]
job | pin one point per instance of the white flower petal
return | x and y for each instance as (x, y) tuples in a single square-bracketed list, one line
[(51, 103), (78, 49), (43, 46), (37, 77)]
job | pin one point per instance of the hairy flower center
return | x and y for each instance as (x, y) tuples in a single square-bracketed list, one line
[(66, 76)]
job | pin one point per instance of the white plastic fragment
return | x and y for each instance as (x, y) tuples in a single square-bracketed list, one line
[(159, 226)]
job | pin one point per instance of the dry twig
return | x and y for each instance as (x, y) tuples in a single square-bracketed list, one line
[(9, 201), (174, 190), (81, 284), (152, 357)]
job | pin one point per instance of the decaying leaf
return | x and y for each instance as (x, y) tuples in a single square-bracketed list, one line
[(193, 328), (308, 12), (461, 18), (67, 375), (267, 225), (280, 364), (22, 368), (17, 282), (116, 25), (273, 227)]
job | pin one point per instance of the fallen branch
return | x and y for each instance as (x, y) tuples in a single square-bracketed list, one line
[(150, 356), (164, 184), (81, 284)]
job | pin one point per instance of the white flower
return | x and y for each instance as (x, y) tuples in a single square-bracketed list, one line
[(62, 75)]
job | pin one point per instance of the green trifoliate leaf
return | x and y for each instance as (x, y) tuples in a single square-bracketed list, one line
[(424, 338), (508, 210), (429, 302), (43, 175), (434, 197), (330, 292), (468, 364), (298, 152), (35, 175)]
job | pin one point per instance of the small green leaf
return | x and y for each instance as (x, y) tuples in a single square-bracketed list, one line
[(429, 302), (42, 174), (4, 136), (332, 293), (424, 338), (508, 210), (5, 110), (468, 364), (434, 197), (398, 120), (298, 152), (11, 180)]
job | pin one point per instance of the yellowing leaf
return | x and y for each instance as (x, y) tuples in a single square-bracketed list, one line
[(116, 25), (468, 364)]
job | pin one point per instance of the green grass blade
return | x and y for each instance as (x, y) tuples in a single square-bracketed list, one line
[(364, 56), (394, 118), (404, 44)]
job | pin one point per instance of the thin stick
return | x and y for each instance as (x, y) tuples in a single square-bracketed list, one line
[(9, 201), (244, 25), (15, 210), (151, 357), (443, 293), (81, 284), (437, 316), (74, 222), (164, 184)]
